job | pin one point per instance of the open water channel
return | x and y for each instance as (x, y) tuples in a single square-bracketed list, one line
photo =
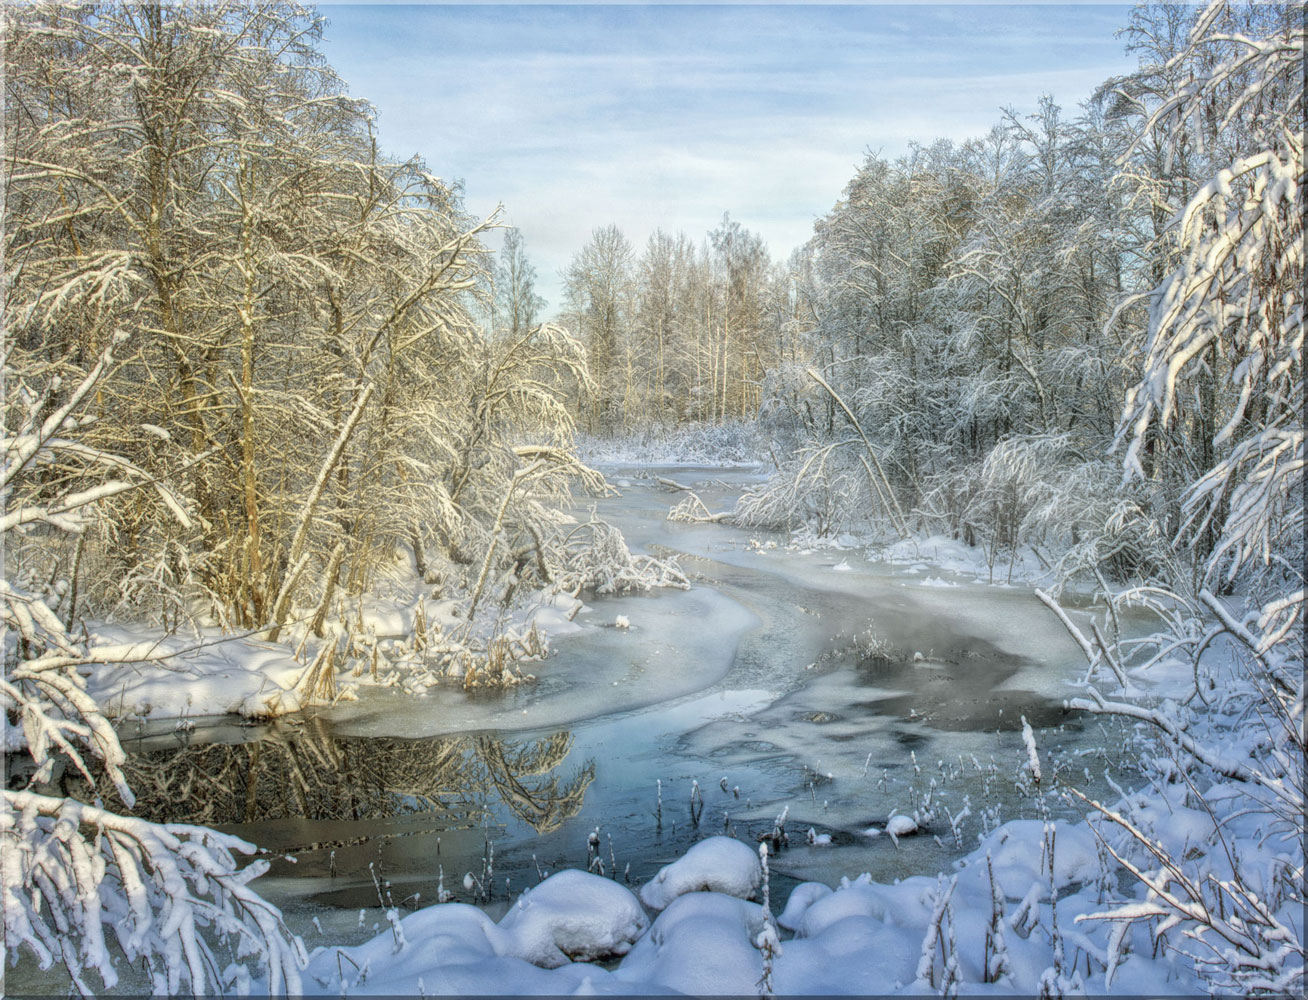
[(778, 682)]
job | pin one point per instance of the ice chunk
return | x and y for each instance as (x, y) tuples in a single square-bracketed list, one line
[(718, 864), (573, 916)]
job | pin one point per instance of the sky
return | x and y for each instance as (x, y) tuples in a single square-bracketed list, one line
[(574, 117)]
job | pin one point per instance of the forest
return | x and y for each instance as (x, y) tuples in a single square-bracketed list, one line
[(261, 379)]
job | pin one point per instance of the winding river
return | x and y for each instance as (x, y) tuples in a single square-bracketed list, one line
[(813, 683)]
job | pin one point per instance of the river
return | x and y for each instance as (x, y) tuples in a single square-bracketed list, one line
[(812, 682)]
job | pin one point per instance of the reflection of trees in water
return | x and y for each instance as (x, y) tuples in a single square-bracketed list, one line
[(311, 774)]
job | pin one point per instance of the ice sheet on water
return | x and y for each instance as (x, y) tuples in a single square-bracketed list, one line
[(601, 671)]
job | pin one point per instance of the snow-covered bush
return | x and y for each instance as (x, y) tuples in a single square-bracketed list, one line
[(594, 556), (174, 896), (1217, 845), (1044, 491), (821, 487), (308, 371)]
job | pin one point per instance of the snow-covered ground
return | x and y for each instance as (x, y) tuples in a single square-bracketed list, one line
[(208, 673)]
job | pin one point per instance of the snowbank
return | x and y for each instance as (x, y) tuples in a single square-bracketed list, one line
[(207, 675), (212, 673), (857, 938), (940, 552)]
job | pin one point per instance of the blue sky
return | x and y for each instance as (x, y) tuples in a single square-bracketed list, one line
[(576, 116)]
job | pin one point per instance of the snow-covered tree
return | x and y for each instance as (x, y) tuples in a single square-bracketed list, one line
[(309, 338), (89, 886), (517, 305)]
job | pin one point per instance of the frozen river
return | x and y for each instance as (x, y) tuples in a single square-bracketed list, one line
[(814, 682)]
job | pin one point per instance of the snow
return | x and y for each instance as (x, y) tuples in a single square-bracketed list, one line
[(719, 864), (705, 942), (702, 944), (900, 825), (1018, 858), (574, 916), (935, 581), (801, 898), (723, 445), (212, 675), (920, 553)]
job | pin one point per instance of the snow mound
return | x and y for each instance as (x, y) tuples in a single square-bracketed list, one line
[(448, 934), (801, 898), (900, 825), (855, 956), (718, 864), (1017, 855), (572, 916), (702, 945), (905, 904)]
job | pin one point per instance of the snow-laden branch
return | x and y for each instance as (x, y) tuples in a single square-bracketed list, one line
[(170, 892), (20, 451)]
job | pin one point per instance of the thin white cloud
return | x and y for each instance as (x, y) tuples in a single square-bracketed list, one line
[(580, 116)]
